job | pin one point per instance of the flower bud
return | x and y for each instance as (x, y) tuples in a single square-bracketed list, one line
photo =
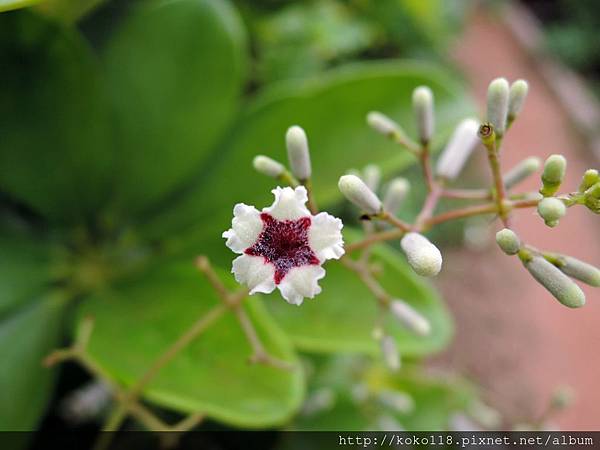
[(410, 318), (391, 356), (563, 397), (497, 104), (86, 403), (553, 175), (508, 241), (521, 171), (551, 210), (400, 402), (422, 255), (356, 191), (423, 107), (322, 399), (579, 270), (458, 149), (384, 125), (267, 166), (592, 198), (298, 154), (372, 177), (395, 194), (556, 282), (517, 94), (590, 177)]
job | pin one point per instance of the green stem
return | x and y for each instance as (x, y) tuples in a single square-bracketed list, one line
[(494, 162)]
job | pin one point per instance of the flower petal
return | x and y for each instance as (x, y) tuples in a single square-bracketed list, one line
[(289, 203), (325, 237), (254, 273), (301, 282), (245, 228)]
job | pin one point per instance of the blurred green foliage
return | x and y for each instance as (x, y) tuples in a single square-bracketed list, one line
[(572, 34), (121, 159), (296, 39)]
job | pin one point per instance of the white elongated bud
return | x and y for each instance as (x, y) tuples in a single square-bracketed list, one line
[(383, 124), (410, 318), (86, 403), (395, 194), (391, 356), (556, 282), (386, 422), (322, 399), (458, 149), (267, 166), (422, 255), (422, 100), (521, 171), (508, 241), (579, 270), (356, 191), (497, 104), (298, 154), (400, 402), (551, 210), (517, 95), (372, 177)]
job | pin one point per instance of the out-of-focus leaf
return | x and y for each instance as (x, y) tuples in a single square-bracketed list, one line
[(342, 317), (69, 11), (304, 37), (7, 5), (332, 109), (139, 320), (24, 269), (175, 70), (416, 26), (25, 339), (55, 150)]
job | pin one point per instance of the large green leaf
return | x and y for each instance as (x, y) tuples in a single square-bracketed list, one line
[(55, 152), (342, 317), (175, 70), (139, 320), (24, 269), (332, 109), (25, 339), (7, 5)]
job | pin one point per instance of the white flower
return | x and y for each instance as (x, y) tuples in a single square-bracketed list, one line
[(283, 246)]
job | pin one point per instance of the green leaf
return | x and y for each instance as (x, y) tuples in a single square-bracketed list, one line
[(7, 5), (139, 320), (55, 153), (25, 339), (332, 109), (24, 269), (342, 317), (175, 70), (69, 11)]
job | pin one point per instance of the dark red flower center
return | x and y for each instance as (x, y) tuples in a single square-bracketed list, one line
[(284, 243)]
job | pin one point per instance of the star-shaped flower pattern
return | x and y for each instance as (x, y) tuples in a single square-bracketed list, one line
[(283, 246)]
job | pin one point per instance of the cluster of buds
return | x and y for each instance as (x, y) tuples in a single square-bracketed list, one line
[(552, 270), (285, 245)]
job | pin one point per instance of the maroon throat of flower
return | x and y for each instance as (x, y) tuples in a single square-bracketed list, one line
[(284, 243)]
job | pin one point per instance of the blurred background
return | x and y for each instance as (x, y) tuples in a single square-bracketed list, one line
[(512, 341)]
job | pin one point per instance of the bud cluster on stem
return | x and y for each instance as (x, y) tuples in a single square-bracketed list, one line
[(505, 103)]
